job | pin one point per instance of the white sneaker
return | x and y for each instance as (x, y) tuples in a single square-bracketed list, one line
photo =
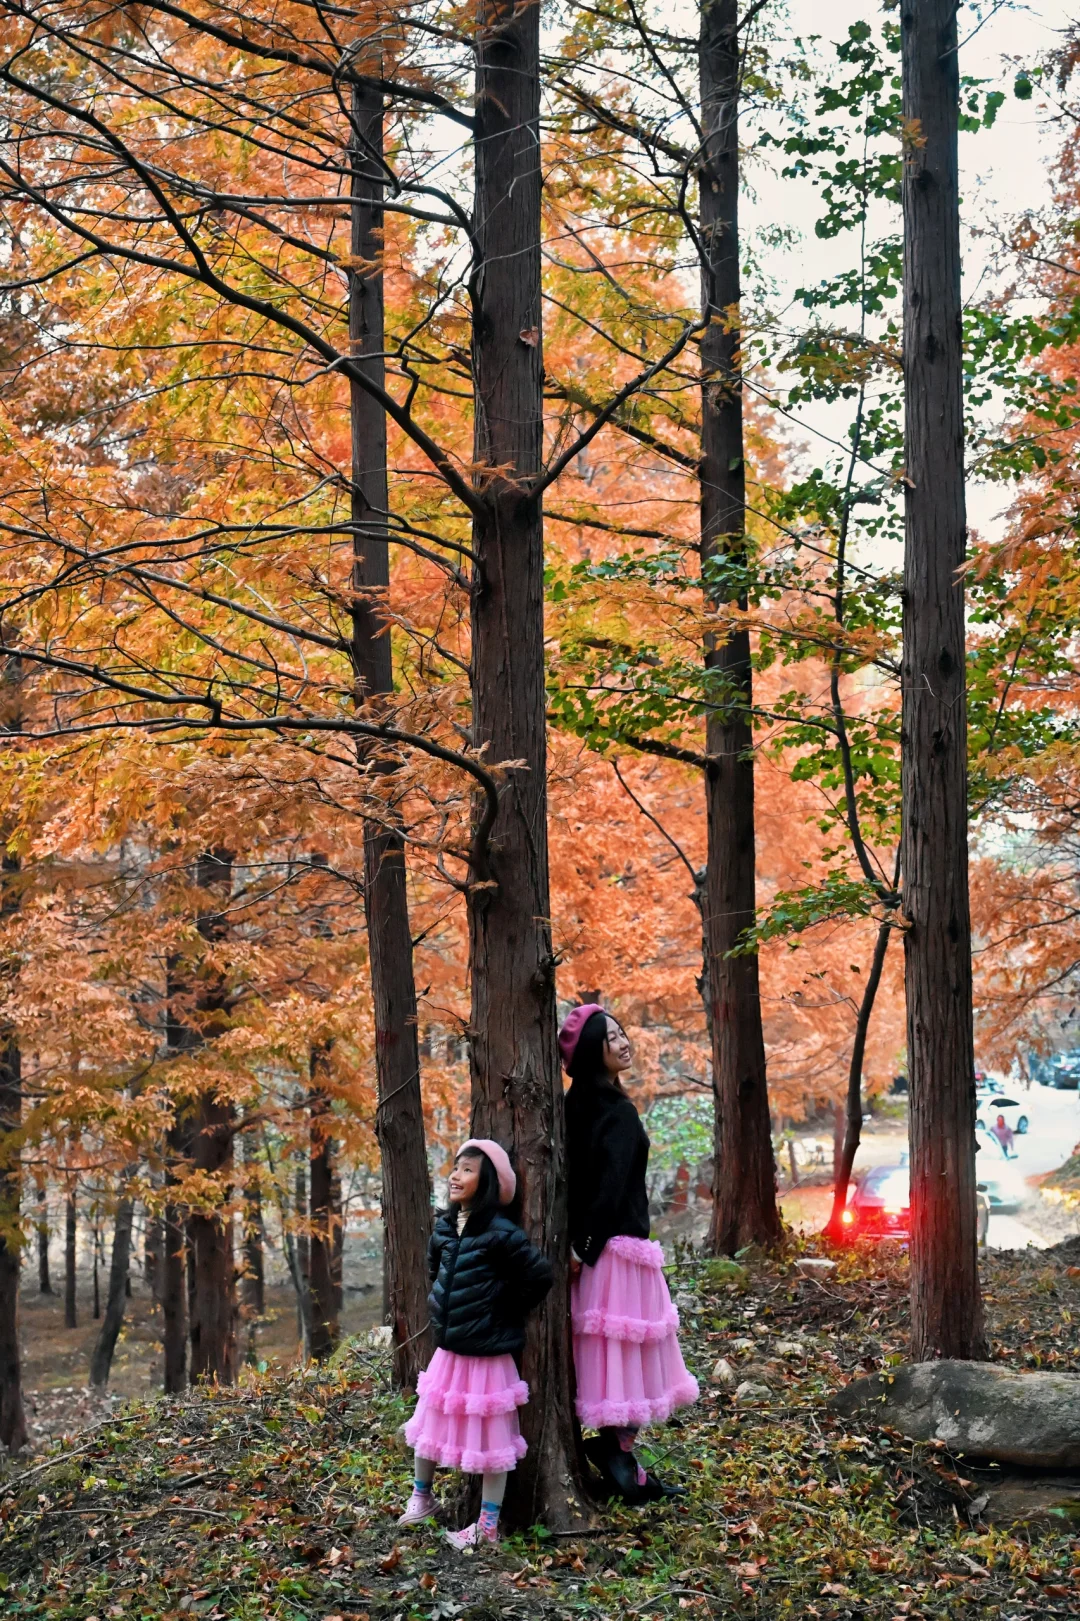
[(472, 1537), (418, 1509)]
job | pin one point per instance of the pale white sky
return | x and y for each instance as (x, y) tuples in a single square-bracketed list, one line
[(1005, 170)]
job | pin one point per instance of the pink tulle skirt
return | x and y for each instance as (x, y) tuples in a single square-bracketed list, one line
[(627, 1360), (466, 1415)]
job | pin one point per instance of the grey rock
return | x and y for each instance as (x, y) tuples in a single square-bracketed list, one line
[(790, 1348), (977, 1408), (744, 1344), (812, 1266), (723, 1373), (750, 1391)]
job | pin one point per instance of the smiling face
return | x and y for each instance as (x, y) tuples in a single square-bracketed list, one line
[(464, 1179), (617, 1055)]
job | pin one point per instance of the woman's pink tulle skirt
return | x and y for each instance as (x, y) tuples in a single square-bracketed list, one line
[(466, 1417), (629, 1367)]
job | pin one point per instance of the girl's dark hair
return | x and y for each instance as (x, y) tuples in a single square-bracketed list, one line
[(587, 1065), (486, 1202)]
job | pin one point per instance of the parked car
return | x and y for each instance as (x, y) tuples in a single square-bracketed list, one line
[(990, 1105), (1064, 1072), (879, 1205)]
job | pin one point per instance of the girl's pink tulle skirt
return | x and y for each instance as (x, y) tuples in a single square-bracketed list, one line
[(466, 1417), (629, 1367)]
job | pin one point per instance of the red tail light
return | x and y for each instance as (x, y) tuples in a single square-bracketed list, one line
[(848, 1218)]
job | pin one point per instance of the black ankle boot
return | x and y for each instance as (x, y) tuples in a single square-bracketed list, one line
[(618, 1469)]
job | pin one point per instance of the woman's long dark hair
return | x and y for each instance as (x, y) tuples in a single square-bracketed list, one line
[(486, 1201), (587, 1067)]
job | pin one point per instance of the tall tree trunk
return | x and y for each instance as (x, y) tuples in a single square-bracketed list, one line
[(517, 1088), (253, 1291), (71, 1230), (42, 1225), (212, 1271), (946, 1303), (853, 1111), (325, 1326), (406, 1184), (744, 1176), (152, 1243), (174, 1286), (302, 1250), (13, 1432), (97, 1262), (210, 1234), (116, 1297), (337, 1256)]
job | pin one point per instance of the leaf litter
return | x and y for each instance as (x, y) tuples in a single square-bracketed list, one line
[(278, 1500)]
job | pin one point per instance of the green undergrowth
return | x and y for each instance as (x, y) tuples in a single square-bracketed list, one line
[(278, 1499)]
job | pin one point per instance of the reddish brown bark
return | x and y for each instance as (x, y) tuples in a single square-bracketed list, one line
[(946, 1303), (116, 1294), (406, 1184), (744, 1178), (325, 1221), (517, 1089), (71, 1221)]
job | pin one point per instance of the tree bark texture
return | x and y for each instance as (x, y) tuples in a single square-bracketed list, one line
[(253, 1287), (325, 1324), (116, 1294), (71, 1229), (212, 1306), (406, 1184), (210, 1234), (744, 1176), (174, 1315), (517, 1088), (854, 1106), (13, 1432), (42, 1226), (946, 1305)]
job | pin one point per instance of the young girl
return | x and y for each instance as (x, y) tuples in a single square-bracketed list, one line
[(486, 1277), (629, 1368)]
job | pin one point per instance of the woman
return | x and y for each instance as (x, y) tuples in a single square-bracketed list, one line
[(629, 1368)]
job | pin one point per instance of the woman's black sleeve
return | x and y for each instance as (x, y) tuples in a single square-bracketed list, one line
[(614, 1151)]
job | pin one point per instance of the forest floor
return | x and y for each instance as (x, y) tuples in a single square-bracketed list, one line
[(278, 1499)]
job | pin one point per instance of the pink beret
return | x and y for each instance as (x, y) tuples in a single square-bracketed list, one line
[(570, 1033), (501, 1161)]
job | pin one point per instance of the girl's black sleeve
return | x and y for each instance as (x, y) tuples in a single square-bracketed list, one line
[(527, 1271), (434, 1255)]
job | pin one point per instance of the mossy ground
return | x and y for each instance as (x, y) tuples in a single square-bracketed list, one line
[(279, 1499)]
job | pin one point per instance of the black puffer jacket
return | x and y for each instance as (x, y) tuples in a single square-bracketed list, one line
[(484, 1284), (607, 1154)]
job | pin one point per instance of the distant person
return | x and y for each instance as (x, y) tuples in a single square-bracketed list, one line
[(1003, 1132)]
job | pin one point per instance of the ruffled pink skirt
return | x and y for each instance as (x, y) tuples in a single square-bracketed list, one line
[(627, 1360), (466, 1415)]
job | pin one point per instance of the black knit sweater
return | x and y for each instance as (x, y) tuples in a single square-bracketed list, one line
[(607, 1152)]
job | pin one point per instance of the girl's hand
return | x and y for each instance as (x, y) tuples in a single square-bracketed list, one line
[(575, 1266)]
